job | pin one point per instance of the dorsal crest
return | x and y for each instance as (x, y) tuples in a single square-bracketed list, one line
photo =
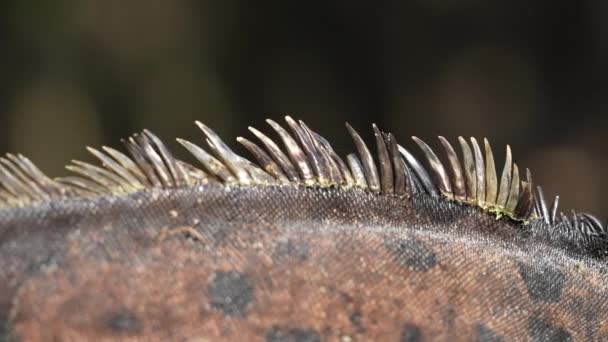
[(302, 157)]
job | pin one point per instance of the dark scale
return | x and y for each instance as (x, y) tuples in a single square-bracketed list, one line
[(485, 334), (410, 333), (231, 292), (122, 321), (541, 330), (411, 253), (543, 283), (281, 334)]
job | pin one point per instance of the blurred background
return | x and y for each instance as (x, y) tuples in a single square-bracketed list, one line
[(78, 73)]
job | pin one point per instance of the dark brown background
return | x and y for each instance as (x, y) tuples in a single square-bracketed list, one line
[(531, 74)]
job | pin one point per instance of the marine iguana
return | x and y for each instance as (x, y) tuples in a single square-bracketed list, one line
[(300, 245)]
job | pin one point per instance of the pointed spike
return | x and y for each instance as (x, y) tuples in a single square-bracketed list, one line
[(554, 210), (277, 155), (176, 172), (594, 221), (11, 183), (335, 174), (529, 182), (193, 174), (333, 169), (230, 166), (260, 176), (588, 229), (92, 177), (387, 176), (419, 176), (47, 185), (542, 204), (295, 153), (84, 184), (265, 160), (127, 163), (565, 221), (155, 160), (413, 183), (525, 206), (575, 221), (537, 210), (5, 198), (229, 158), (314, 157), (344, 173), (116, 168), (138, 155), (318, 137), (110, 181), (400, 170), (386, 167), (505, 180), (525, 202), (369, 167), (457, 181), (480, 171), (98, 173), (513, 191), (491, 178), (441, 177), (27, 186), (214, 166), (357, 171), (50, 186), (469, 170)]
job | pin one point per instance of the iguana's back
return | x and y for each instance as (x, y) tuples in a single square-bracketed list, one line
[(239, 253)]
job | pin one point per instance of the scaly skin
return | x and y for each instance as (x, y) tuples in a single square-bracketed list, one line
[(217, 263)]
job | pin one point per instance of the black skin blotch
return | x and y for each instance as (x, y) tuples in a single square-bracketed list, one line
[(411, 253), (64, 220), (543, 283), (53, 256), (410, 333), (588, 312), (356, 319), (345, 297), (449, 316), (541, 330), (583, 308), (122, 321), (438, 213), (281, 334), (4, 326), (485, 334), (294, 250), (231, 292)]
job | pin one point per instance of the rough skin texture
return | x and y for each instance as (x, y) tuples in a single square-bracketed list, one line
[(217, 263)]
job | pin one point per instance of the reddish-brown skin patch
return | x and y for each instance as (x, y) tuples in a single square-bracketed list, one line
[(370, 269)]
